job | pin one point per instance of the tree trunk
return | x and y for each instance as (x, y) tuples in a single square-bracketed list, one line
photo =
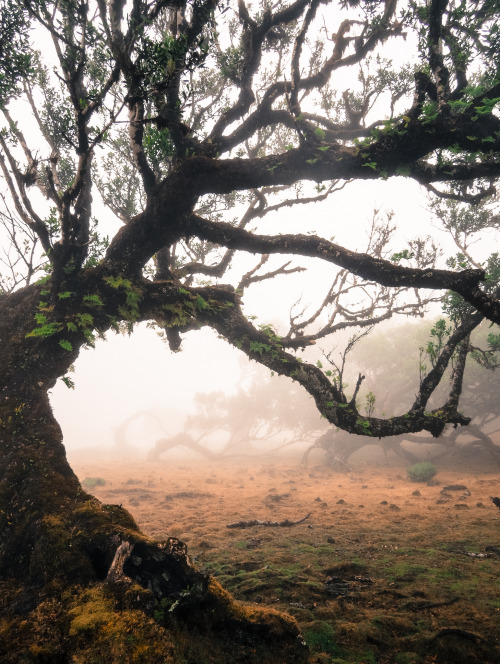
[(78, 578)]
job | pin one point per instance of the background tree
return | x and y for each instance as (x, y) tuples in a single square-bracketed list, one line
[(395, 375), (191, 122)]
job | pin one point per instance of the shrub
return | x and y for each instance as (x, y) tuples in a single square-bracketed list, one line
[(421, 472), (91, 482)]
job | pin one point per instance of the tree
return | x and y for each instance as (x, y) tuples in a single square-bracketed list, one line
[(265, 409), (394, 376), (192, 122)]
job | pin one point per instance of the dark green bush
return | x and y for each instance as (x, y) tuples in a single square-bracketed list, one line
[(422, 471)]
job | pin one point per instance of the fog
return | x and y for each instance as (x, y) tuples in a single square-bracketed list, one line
[(127, 374)]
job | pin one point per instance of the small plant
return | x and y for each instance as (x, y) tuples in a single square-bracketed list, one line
[(422, 471), (91, 482), (320, 637)]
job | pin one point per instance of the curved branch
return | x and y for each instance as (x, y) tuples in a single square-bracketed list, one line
[(384, 272)]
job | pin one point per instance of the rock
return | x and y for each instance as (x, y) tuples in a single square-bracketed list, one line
[(455, 487), (416, 493), (341, 502)]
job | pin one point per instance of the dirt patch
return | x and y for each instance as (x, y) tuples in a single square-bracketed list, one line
[(379, 573)]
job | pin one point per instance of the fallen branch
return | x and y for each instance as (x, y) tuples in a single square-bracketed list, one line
[(255, 522), (420, 606), (493, 549), (454, 631)]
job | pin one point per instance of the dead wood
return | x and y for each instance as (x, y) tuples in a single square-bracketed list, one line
[(115, 572), (255, 522), (455, 631), (422, 606), (493, 549)]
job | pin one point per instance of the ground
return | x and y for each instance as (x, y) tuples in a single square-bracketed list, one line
[(380, 572)]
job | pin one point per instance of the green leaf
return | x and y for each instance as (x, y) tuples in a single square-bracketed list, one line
[(64, 343), (201, 303), (68, 382), (93, 300), (404, 170)]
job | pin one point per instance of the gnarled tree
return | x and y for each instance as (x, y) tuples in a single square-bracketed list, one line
[(191, 121)]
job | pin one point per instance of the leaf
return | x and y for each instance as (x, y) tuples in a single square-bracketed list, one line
[(93, 300), (64, 343), (201, 303), (68, 382), (404, 170)]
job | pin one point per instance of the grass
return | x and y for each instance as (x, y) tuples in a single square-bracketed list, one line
[(422, 471), (290, 576), (414, 557)]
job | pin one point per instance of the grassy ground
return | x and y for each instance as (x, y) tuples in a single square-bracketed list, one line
[(380, 572)]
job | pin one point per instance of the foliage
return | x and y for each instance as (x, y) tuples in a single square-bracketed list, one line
[(422, 471), (15, 58)]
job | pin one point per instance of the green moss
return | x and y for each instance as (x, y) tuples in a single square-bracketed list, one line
[(93, 609), (320, 637)]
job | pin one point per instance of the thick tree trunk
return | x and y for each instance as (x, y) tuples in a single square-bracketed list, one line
[(77, 576)]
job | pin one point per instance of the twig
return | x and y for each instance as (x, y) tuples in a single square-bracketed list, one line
[(254, 522)]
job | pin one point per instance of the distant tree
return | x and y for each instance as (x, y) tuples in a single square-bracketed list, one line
[(191, 122), (394, 376), (265, 409)]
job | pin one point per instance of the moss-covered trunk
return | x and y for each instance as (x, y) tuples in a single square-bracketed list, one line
[(78, 580)]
